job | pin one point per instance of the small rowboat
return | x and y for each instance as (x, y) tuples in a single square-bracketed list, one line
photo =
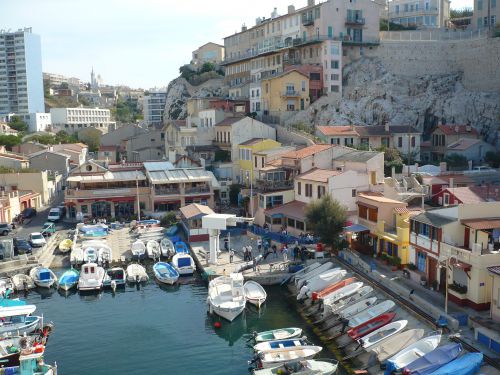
[(165, 273), (321, 281), (138, 249), (300, 280), (357, 307), (396, 343), (370, 326), (65, 245), (273, 358), (467, 364), (278, 334), (153, 249), (136, 274), (343, 304), (341, 293), (370, 313), (255, 293), (308, 367), (332, 288), (280, 344), (69, 279), (383, 333)]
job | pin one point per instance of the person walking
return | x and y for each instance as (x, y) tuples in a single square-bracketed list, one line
[(259, 244), (285, 254), (231, 255), (244, 253), (275, 251), (254, 264), (226, 243)]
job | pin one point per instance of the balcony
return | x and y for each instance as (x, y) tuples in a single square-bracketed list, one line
[(270, 185), (353, 21), (197, 190), (105, 193), (290, 94), (167, 191), (307, 21)]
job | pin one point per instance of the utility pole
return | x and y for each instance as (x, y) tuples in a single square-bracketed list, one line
[(137, 193)]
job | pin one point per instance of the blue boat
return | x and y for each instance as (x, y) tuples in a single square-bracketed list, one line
[(69, 279), (434, 359), (171, 231), (148, 222), (165, 273), (467, 364), (181, 247), (280, 344)]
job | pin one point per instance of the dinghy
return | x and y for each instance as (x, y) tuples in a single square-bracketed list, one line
[(226, 296), (371, 325), (69, 279), (411, 353), (325, 292), (343, 292), (5, 285), (255, 293), (104, 255), (281, 344), (300, 280), (396, 343), (22, 282), (136, 274), (467, 364), (18, 319), (90, 255), (321, 281), (370, 313), (166, 247), (153, 249), (91, 277), (273, 358), (383, 333), (357, 307), (43, 277), (434, 360), (277, 334), (114, 278), (138, 249), (165, 273), (183, 263), (301, 272), (76, 256), (65, 245), (341, 305), (307, 367), (181, 247)]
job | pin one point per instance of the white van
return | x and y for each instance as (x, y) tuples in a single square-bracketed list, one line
[(54, 214)]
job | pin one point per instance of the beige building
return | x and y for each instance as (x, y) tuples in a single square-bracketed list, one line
[(37, 182), (422, 14), (486, 14), (14, 161), (209, 52)]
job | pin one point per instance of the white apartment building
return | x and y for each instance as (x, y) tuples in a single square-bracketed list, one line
[(74, 119), (486, 14), (154, 106), (420, 13), (57, 79), (38, 122), (21, 80)]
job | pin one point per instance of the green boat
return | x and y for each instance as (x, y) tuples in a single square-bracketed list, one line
[(277, 334)]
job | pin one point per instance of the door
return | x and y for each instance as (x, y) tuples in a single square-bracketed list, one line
[(330, 32), (466, 237), (432, 270)]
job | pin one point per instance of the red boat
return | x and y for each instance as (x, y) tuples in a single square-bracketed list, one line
[(332, 288), (371, 325)]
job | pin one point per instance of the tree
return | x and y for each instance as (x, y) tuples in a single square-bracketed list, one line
[(91, 137), (326, 217), (207, 67), (186, 72), (9, 141), (456, 161), (392, 158), (493, 158), (17, 124), (394, 26), (169, 219), (460, 13)]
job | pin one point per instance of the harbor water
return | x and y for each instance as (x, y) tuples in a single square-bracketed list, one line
[(155, 330)]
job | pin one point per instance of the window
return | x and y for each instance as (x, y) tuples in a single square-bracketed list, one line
[(385, 142), (362, 211), (413, 141), (421, 261), (446, 199), (373, 214), (479, 4), (400, 142), (334, 64), (321, 191), (255, 161), (315, 76), (309, 190), (334, 88), (424, 229), (493, 4), (353, 193), (290, 222), (299, 188), (303, 86), (335, 77), (299, 225)]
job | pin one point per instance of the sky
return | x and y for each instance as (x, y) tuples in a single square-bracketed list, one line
[(139, 43)]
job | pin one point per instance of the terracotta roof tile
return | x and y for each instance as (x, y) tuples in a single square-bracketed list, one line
[(319, 175), (457, 129), (338, 130), (474, 194), (194, 209), (307, 151)]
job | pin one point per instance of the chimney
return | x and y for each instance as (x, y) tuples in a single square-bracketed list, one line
[(274, 13), (386, 127), (291, 9), (243, 28), (451, 183), (310, 3)]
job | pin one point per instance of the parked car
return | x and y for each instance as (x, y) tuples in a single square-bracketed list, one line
[(5, 229), (54, 214), (48, 229), (22, 246), (62, 207), (28, 213), (36, 239)]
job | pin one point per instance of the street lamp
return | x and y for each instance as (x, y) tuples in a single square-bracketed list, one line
[(137, 194), (251, 193)]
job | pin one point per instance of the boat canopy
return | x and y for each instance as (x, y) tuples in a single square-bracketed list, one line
[(17, 311)]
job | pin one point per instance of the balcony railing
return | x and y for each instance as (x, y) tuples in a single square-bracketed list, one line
[(307, 21), (164, 191), (98, 193), (354, 21), (419, 11), (290, 94), (266, 185), (197, 190)]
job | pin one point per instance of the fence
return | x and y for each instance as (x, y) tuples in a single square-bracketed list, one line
[(279, 237), (432, 35)]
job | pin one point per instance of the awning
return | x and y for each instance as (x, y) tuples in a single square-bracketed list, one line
[(482, 224), (356, 228), (277, 216), (294, 210), (458, 264)]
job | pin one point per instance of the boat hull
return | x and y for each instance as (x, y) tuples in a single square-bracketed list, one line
[(228, 314), (27, 327), (45, 283), (278, 334)]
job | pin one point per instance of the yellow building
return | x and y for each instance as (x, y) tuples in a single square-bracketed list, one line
[(285, 92), (249, 162)]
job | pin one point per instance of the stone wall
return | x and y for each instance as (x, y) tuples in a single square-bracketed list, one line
[(287, 136)]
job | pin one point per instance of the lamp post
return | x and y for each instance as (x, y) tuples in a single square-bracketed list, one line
[(137, 194), (251, 193)]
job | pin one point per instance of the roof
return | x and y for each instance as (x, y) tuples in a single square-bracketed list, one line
[(306, 151), (158, 165), (202, 148), (46, 151), (433, 180), (109, 176), (433, 219), (378, 197), (401, 210), (463, 144), (228, 121), (179, 175), (482, 223), (14, 156), (77, 147), (252, 141), (357, 156), (282, 74), (474, 194), (276, 150), (319, 175), (195, 210), (457, 129), (293, 209), (206, 44), (108, 148), (381, 130), (338, 130), (494, 269)]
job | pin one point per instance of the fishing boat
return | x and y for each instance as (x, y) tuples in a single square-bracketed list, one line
[(301, 279), (277, 334), (91, 277), (255, 293), (43, 277), (18, 320), (325, 292), (370, 325), (149, 229), (90, 255), (65, 245), (357, 307), (138, 249), (320, 282), (396, 343), (166, 247), (226, 296), (307, 367), (104, 255), (184, 264), (343, 292), (370, 313), (22, 282), (273, 358), (434, 360), (153, 249), (165, 273), (69, 279), (30, 360), (411, 353), (467, 364), (114, 278), (339, 306), (383, 333), (136, 274), (280, 344)]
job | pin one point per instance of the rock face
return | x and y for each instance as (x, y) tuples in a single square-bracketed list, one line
[(373, 96)]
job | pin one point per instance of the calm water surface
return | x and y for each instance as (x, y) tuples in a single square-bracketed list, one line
[(154, 330)]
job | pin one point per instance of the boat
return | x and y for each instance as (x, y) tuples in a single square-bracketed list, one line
[(383, 333), (30, 360), (411, 353), (148, 229), (18, 320), (320, 282), (255, 293), (396, 343), (183, 263), (165, 273), (467, 364), (136, 274), (114, 278), (147, 222), (280, 344), (277, 334), (90, 255), (322, 294), (69, 279), (5, 285), (343, 292), (166, 247), (22, 282), (94, 231), (434, 360), (301, 272), (370, 313), (104, 255), (138, 249), (274, 358), (181, 247), (226, 296), (91, 277), (43, 277), (307, 367), (153, 249), (347, 302), (172, 230), (65, 245), (370, 325), (76, 256), (301, 279), (357, 307)]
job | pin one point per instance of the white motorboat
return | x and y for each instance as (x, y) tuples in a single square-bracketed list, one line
[(22, 282), (226, 296), (43, 277), (153, 249), (138, 249), (396, 343), (356, 308), (383, 333), (18, 320), (339, 306), (90, 255), (91, 277), (296, 342), (321, 281), (343, 292), (136, 274), (300, 280), (165, 273), (305, 270), (413, 352), (276, 357), (277, 334), (370, 313), (183, 263), (114, 278), (166, 247), (76, 256), (255, 293), (149, 229), (307, 367), (104, 255)]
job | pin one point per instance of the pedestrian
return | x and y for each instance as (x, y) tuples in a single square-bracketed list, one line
[(254, 264), (295, 252), (245, 253), (259, 244), (285, 254), (231, 255), (226, 243), (303, 251), (275, 251)]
